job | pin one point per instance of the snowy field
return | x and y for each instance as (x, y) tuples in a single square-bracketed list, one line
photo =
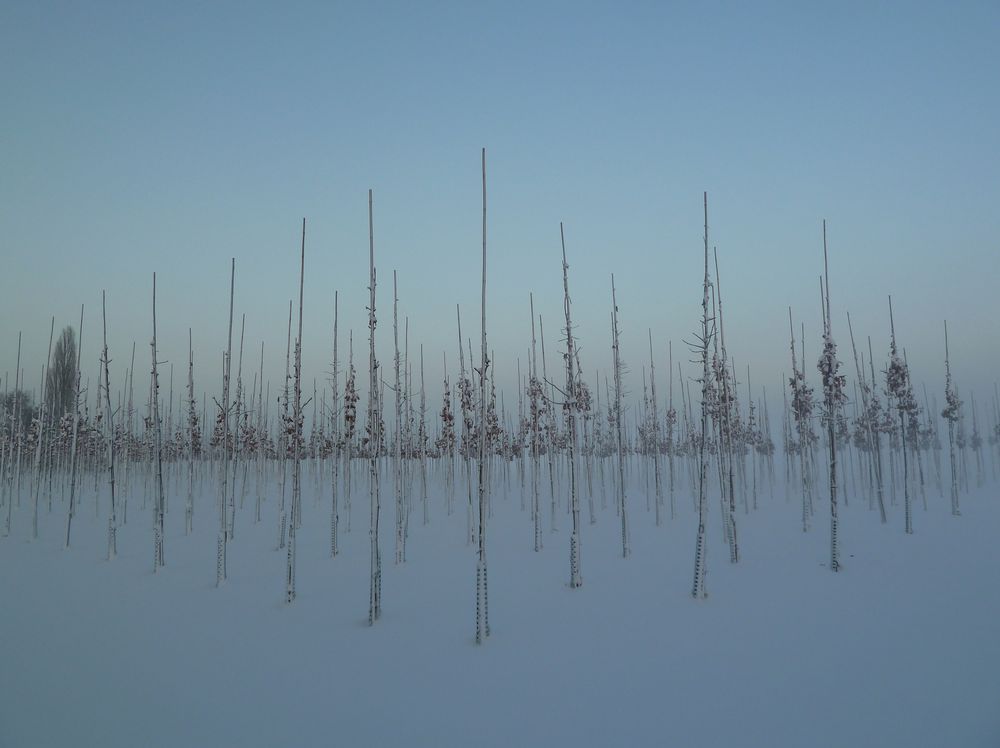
[(899, 649)]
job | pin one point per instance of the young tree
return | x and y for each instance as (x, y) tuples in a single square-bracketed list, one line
[(952, 414), (159, 507), (704, 341), (482, 596), (536, 408), (193, 440), (41, 435), (221, 561), (617, 410), (571, 406), (18, 399), (76, 427), (802, 407), (898, 386), (105, 361), (374, 434), (397, 452), (334, 434), (833, 400), (297, 438)]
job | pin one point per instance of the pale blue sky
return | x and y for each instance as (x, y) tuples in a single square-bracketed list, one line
[(170, 137)]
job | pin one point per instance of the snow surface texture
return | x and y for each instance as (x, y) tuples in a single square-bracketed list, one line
[(898, 649)]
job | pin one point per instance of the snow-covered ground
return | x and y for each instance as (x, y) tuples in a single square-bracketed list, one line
[(901, 648)]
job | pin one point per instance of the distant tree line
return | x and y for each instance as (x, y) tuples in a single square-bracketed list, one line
[(23, 403), (59, 384)]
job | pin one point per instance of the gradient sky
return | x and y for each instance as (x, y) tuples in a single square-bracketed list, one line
[(170, 137)]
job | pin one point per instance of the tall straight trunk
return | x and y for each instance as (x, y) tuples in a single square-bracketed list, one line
[(482, 589), (422, 441), (671, 424), (619, 407), (297, 437), (656, 431), (898, 385), (465, 401), (753, 439), (263, 402), (76, 427), (109, 415), (698, 590), (951, 414), (871, 435), (193, 437), (15, 439), (236, 435), (535, 397), (448, 438), (727, 401), (42, 407), (375, 588), (130, 432), (8, 476), (575, 578), (802, 430), (397, 452), (335, 439), (222, 543), (350, 423), (283, 436), (159, 504), (833, 399), (549, 435)]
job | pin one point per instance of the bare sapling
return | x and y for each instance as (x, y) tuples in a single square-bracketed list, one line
[(334, 436), (15, 440), (916, 436), (671, 425), (284, 445), (833, 400), (296, 439), (374, 435), (223, 427), (130, 432), (468, 429), (397, 452), (619, 417), (550, 435), (263, 445), (726, 419), (752, 436), (73, 458), (109, 414), (655, 431), (193, 441), (898, 386), (869, 419), (482, 589), (238, 437), (975, 442), (422, 442), (445, 443), (575, 578), (952, 414), (42, 404), (704, 340), (536, 408), (802, 407), (351, 397), (159, 505), (585, 407)]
